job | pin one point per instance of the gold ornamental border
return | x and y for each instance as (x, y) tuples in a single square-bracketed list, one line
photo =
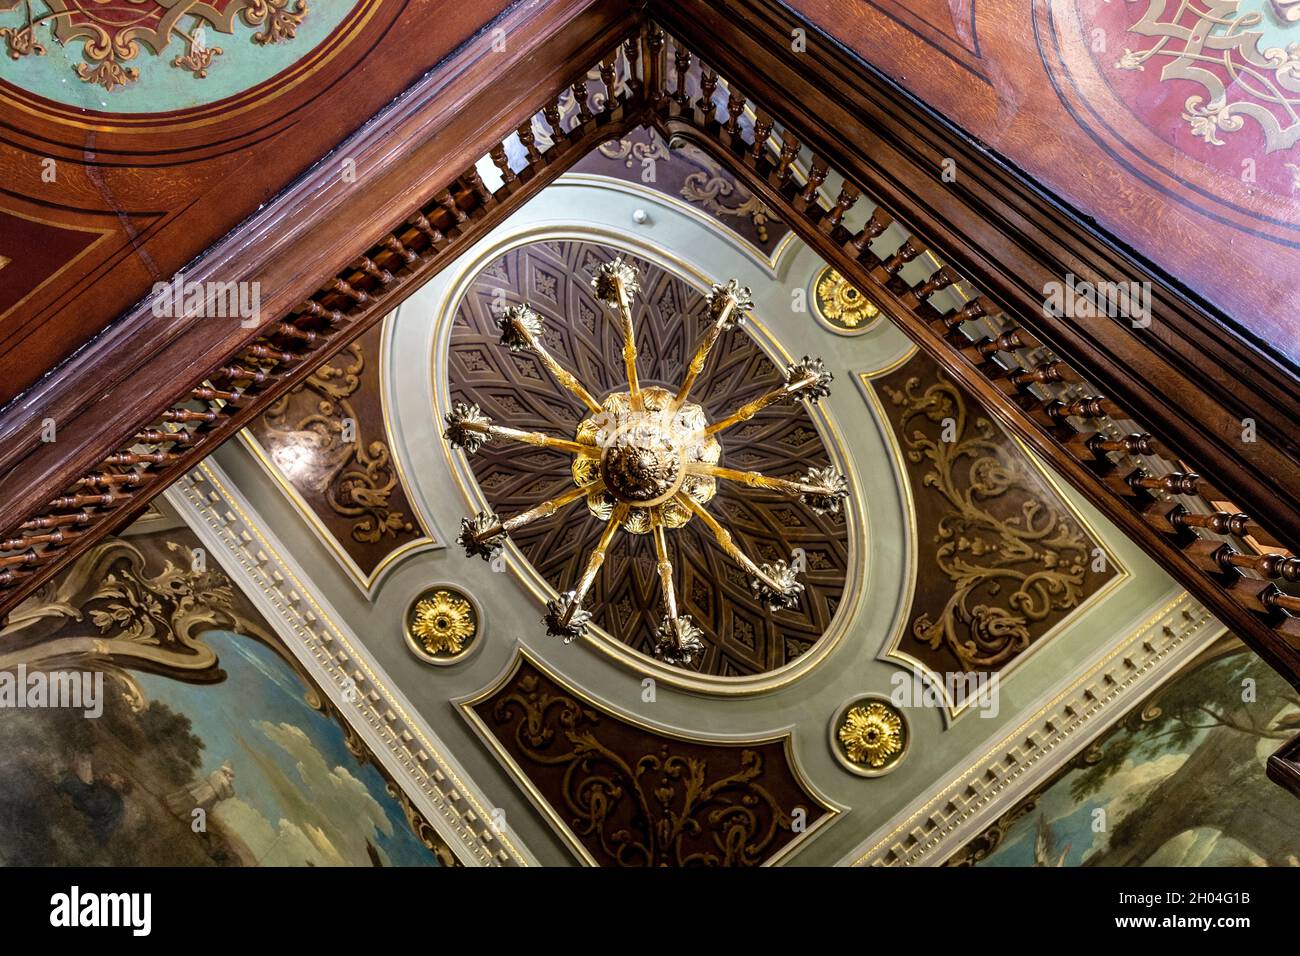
[(832, 439), (523, 654)]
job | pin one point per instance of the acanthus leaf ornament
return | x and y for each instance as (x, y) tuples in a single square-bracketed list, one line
[(645, 461)]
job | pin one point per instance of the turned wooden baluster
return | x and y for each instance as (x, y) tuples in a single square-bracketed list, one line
[(580, 96), (843, 203), (940, 279), (555, 121), (762, 132), (1093, 406), (789, 153), (474, 181), (654, 63), (1008, 342), (1174, 483), (909, 250), (1272, 567), (609, 78), (735, 106), (682, 63), (705, 104), (315, 310), (447, 203), (502, 163), (529, 142), (400, 249), (1135, 444), (875, 226), (816, 176), (371, 268), (632, 53), (954, 319), (345, 288), (437, 241)]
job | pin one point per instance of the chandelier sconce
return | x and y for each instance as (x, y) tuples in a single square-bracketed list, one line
[(646, 461)]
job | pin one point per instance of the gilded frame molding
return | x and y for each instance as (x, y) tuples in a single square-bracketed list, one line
[(368, 584), (1064, 721), (893, 650)]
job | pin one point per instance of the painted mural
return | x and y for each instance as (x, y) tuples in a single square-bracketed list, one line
[(153, 56), (206, 744), (1179, 781)]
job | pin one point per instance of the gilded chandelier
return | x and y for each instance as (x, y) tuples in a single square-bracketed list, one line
[(646, 460)]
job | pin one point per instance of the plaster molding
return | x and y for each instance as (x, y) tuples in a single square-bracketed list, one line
[(1064, 721), (409, 750)]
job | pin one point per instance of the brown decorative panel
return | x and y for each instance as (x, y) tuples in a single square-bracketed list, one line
[(684, 171), (630, 796), (1001, 557), (327, 440), (742, 637)]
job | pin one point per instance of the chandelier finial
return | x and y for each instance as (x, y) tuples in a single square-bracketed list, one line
[(467, 427), (829, 488), (567, 619), (520, 327), (809, 378), (616, 282), (481, 536), (730, 303), (678, 641), (778, 586)]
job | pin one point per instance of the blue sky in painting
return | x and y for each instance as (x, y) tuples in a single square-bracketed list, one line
[(262, 694)]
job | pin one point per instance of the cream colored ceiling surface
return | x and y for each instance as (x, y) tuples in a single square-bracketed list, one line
[(961, 764)]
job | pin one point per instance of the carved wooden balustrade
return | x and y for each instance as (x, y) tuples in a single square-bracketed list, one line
[(1144, 477)]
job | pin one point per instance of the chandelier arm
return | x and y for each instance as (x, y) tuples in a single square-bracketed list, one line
[(544, 510), (728, 543), (747, 411), (665, 567), (629, 349), (756, 479), (558, 371), (594, 563), (540, 439), (710, 338)]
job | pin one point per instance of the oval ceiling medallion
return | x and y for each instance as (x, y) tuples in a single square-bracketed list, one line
[(163, 56), (743, 632), (442, 625)]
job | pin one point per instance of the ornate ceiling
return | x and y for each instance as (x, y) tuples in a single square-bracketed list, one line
[(955, 559), (972, 634)]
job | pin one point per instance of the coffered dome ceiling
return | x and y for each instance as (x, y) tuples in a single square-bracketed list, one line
[(741, 636)]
